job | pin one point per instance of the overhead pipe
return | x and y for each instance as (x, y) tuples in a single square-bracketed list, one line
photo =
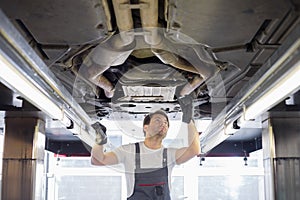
[(171, 59), (117, 49), (149, 18), (105, 55), (190, 87), (112, 52), (98, 81), (107, 15), (124, 20)]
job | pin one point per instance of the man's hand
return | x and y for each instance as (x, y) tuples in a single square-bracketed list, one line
[(186, 104), (101, 137)]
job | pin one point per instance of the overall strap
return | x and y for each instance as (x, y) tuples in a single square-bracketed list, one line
[(165, 158), (137, 156)]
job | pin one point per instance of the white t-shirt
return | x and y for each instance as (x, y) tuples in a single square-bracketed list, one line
[(149, 159)]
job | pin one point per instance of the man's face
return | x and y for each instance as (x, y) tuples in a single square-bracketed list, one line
[(158, 126)]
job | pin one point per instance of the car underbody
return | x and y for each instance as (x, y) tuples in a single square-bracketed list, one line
[(129, 57)]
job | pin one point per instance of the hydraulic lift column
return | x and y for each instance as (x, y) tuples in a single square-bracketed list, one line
[(281, 149), (23, 157)]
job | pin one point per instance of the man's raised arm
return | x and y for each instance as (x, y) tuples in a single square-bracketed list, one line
[(186, 153), (98, 157)]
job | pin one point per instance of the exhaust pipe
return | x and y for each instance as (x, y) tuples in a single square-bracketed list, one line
[(112, 52), (124, 20), (149, 18), (117, 49)]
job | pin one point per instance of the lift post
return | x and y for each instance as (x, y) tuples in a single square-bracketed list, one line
[(23, 157), (280, 141)]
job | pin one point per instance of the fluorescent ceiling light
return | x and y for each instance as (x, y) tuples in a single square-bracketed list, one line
[(28, 90), (286, 86), (275, 81), (19, 83), (23, 71)]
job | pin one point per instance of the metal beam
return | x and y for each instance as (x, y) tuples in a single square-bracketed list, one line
[(24, 72)]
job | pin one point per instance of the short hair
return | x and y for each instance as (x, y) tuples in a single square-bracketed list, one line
[(150, 115)]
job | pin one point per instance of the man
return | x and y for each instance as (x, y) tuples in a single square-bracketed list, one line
[(148, 164)]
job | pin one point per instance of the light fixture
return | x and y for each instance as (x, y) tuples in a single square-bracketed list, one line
[(12, 77), (18, 82), (22, 70), (287, 85), (32, 93), (277, 79)]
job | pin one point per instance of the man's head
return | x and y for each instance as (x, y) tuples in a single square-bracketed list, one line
[(159, 116)]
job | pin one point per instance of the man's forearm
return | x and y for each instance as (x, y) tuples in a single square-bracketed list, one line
[(193, 149), (97, 155), (193, 138)]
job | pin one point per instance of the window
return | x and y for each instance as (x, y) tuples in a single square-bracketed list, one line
[(226, 178)]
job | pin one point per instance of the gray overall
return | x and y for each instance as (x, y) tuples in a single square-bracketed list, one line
[(150, 184)]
